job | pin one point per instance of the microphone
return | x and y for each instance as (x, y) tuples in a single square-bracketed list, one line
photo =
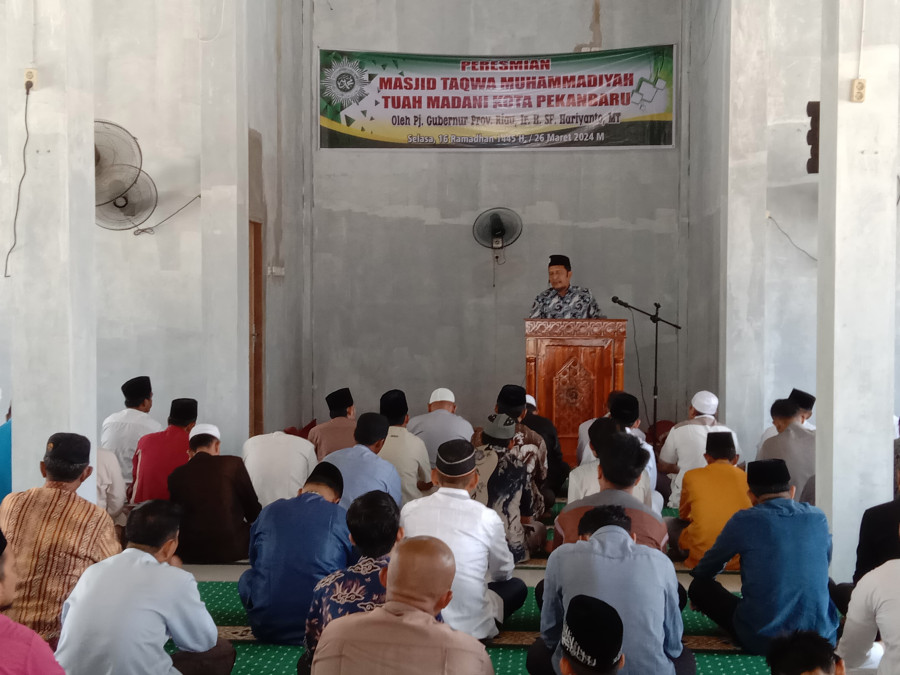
[(616, 300)]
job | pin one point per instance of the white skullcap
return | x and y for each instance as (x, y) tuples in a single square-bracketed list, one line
[(441, 394), (705, 402), (529, 400), (210, 429)]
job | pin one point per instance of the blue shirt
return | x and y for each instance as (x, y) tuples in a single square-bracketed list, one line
[(638, 581), (5, 458), (293, 544), (364, 471), (785, 548)]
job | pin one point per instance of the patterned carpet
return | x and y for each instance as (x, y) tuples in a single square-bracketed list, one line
[(224, 605)]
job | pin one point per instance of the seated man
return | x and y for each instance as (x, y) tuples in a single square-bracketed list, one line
[(293, 544), (52, 528), (278, 464), (529, 447), (123, 610), (404, 450), (484, 590), (159, 454), (403, 637), (503, 486), (23, 650), (620, 467), (336, 433), (709, 497), (374, 523), (440, 424), (785, 550), (806, 402), (218, 500), (363, 470), (794, 444), (557, 469), (111, 494), (122, 430), (638, 581), (591, 638), (803, 653)]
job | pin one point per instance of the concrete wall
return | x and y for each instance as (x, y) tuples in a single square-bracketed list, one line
[(403, 296)]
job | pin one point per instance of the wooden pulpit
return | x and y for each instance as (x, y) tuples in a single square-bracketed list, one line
[(571, 365)]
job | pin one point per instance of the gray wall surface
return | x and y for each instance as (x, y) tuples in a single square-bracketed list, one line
[(402, 294)]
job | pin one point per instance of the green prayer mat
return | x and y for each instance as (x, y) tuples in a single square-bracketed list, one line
[(223, 602), (731, 664), (527, 617), (671, 513)]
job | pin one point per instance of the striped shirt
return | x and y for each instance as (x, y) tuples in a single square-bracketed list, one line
[(55, 535)]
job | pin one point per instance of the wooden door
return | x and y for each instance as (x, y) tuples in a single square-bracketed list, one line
[(257, 327)]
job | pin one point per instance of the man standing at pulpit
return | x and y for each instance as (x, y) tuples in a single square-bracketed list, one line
[(563, 300)]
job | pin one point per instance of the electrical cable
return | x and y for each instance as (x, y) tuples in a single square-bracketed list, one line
[(152, 230), (637, 356), (793, 243), (28, 86)]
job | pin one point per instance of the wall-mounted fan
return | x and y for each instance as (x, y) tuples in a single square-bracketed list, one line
[(125, 196), (496, 229)]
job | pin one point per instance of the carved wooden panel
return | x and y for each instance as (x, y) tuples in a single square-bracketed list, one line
[(571, 365)]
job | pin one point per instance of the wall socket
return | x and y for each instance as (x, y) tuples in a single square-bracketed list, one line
[(858, 91), (31, 76)]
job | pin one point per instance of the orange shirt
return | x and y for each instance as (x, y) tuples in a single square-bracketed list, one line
[(709, 497)]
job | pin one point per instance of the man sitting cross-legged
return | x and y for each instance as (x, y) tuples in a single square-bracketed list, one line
[(403, 637), (709, 497), (23, 650), (55, 534), (484, 590), (785, 549), (293, 544), (124, 609), (638, 581), (374, 523)]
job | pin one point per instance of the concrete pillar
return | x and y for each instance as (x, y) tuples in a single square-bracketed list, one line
[(54, 351), (857, 267), (742, 299), (225, 219)]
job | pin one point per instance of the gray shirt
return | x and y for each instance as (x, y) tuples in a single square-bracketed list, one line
[(439, 426), (797, 447)]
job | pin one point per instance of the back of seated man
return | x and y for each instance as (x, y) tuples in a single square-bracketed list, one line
[(122, 430), (484, 590), (621, 463), (591, 638), (374, 523), (404, 450), (709, 497), (785, 550), (441, 423), (293, 545), (806, 402), (804, 653), (218, 500), (52, 528), (336, 433), (403, 637), (159, 454), (123, 610), (363, 470), (23, 650), (503, 486), (278, 464), (557, 468), (794, 444)]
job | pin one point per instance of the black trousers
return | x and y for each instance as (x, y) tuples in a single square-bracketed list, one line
[(513, 592), (712, 599), (540, 660), (217, 661)]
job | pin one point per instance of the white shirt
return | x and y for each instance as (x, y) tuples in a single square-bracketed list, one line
[(408, 455), (874, 606), (123, 610), (439, 426), (772, 432), (583, 482), (121, 432), (110, 485), (476, 536), (278, 464), (685, 446)]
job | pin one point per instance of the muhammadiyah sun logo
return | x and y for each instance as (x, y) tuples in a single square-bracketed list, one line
[(344, 82)]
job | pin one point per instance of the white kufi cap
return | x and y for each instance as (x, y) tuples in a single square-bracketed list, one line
[(210, 429), (529, 400), (705, 402), (441, 394)]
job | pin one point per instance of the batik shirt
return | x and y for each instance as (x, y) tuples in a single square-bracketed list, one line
[(507, 491), (355, 589), (577, 303), (530, 449)]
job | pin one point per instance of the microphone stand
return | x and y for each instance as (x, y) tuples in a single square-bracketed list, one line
[(656, 319)]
